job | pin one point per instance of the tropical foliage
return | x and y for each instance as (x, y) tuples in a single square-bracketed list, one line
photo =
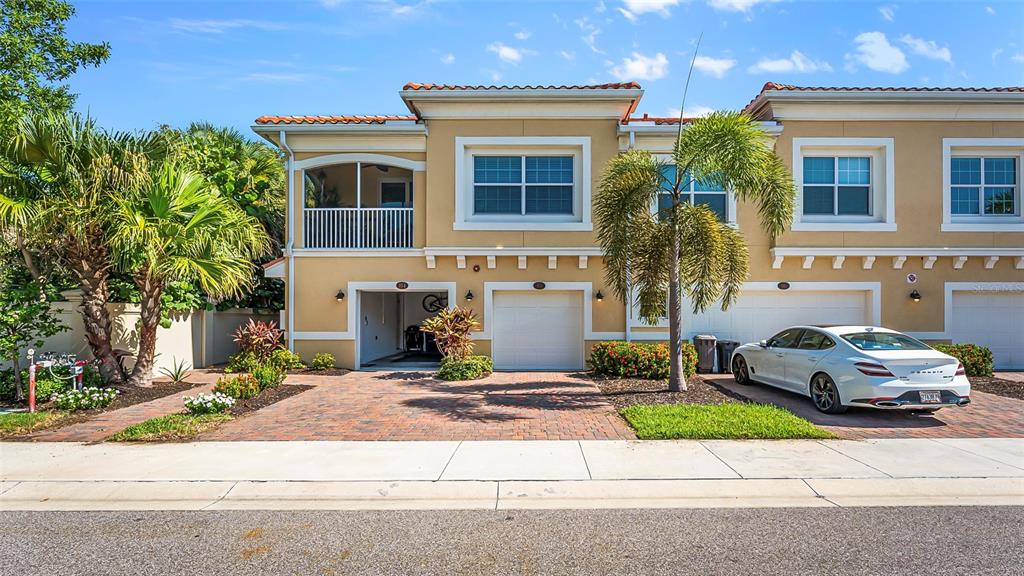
[(26, 318), (656, 257), (323, 361), (177, 228), (639, 360), (977, 360), (259, 339), (451, 328)]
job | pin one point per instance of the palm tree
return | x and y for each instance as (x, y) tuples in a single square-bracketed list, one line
[(59, 174), (177, 227), (683, 246)]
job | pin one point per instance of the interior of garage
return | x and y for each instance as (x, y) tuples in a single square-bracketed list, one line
[(389, 330)]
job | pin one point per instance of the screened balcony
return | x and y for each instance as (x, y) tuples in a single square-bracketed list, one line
[(358, 205)]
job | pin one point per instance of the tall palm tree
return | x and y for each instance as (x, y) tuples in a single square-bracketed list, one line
[(60, 173), (682, 246), (177, 227)]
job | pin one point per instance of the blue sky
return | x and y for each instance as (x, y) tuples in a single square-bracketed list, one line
[(229, 62)]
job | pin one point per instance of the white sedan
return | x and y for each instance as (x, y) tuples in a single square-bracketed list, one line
[(843, 366)]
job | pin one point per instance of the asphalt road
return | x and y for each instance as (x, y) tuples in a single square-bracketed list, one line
[(876, 541)]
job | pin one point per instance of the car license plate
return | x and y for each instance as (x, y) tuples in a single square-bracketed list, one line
[(931, 397)]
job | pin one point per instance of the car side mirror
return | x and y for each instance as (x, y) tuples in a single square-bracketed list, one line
[(763, 343)]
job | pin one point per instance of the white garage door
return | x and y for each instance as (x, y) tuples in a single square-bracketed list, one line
[(992, 319), (758, 315), (537, 331)]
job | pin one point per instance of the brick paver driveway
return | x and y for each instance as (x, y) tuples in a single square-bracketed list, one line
[(987, 416), (415, 406)]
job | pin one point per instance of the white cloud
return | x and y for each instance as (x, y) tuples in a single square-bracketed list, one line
[(734, 5), (990, 10), (506, 53), (494, 75), (522, 35), (590, 33), (927, 48), (276, 77), (222, 26), (600, 8), (796, 62), (716, 67), (641, 67), (888, 12), (633, 8), (448, 58), (567, 55), (1018, 57), (695, 111), (875, 52), (995, 54)]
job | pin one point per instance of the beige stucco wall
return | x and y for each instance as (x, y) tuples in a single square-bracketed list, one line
[(918, 183)]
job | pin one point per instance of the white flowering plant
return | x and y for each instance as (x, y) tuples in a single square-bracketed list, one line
[(214, 403), (85, 399)]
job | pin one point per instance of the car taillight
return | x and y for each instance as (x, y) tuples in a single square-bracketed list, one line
[(872, 369), (960, 370)]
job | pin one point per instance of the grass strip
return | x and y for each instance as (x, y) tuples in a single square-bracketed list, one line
[(20, 423), (730, 420), (173, 427)]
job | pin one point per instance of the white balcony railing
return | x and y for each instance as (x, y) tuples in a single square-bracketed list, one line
[(357, 228)]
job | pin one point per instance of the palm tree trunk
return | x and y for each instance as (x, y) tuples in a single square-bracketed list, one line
[(91, 267), (150, 290), (676, 378)]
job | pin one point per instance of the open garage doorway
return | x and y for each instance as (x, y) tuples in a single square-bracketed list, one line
[(388, 332)]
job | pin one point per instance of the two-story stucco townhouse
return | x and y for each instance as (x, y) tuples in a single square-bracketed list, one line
[(909, 215)]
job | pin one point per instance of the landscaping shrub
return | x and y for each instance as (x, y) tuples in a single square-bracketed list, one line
[(242, 362), (85, 399), (639, 360), (46, 384), (468, 368), (977, 360), (451, 328), (268, 376), (323, 361), (208, 403), (242, 386), (258, 338), (285, 359)]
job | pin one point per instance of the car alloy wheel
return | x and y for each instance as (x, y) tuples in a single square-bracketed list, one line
[(825, 395), (740, 371)]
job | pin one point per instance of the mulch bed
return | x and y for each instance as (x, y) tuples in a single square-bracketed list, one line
[(623, 392), (998, 386), (129, 396), (244, 406)]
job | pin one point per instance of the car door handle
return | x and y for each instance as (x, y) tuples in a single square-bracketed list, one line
[(812, 359)]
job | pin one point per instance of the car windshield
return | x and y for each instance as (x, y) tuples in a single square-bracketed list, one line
[(884, 341)]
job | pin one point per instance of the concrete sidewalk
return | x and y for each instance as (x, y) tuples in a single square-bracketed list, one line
[(546, 474)]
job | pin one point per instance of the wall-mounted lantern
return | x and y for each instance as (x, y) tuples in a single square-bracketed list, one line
[(599, 296), (915, 296), (469, 295), (340, 295)]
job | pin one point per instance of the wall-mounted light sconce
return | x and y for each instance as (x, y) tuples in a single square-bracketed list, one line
[(915, 296), (599, 296), (469, 295), (339, 296)]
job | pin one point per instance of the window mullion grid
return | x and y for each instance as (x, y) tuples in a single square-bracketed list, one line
[(981, 188), (522, 186), (835, 185)]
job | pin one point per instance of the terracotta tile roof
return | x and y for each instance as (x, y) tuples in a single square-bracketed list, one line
[(657, 120), (277, 260), (777, 87), (377, 119), (611, 86)]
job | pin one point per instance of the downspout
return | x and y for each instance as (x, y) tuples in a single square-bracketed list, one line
[(290, 241)]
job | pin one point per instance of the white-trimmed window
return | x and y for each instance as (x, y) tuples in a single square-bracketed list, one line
[(710, 194), (522, 183), (982, 184), (844, 184)]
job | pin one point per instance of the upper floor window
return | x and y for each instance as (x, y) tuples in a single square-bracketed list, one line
[(522, 183), (981, 184), (845, 184), (837, 185), (693, 191)]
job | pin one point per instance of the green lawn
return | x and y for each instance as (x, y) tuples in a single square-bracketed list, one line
[(718, 421), (170, 427), (18, 423)]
